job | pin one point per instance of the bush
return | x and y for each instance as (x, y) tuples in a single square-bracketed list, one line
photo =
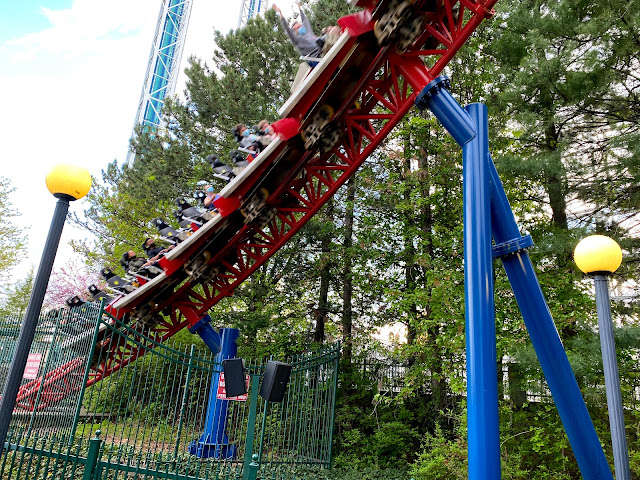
[(441, 458), (366, 473), (392, 445)]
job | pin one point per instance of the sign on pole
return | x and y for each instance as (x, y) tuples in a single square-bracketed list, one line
[(222, 391), (32, 367)]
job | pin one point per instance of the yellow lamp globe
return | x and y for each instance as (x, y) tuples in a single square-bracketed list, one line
[(69, 181), (598, 253)]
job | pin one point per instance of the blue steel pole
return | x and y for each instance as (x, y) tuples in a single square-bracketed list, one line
[(436, 97), (612, 379), (544, 336), (208, 334), (28, 330), (482, 382), (470, 131), (214, 442)]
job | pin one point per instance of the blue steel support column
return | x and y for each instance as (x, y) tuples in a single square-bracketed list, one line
[(544, 336), (208, 334), (214, 442), (482, 381)]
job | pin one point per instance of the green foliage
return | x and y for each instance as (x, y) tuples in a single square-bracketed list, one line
[(563, 80), (534, 444), (11, 237), (365, 472), (392, 445), (325, 12), (442, 458)]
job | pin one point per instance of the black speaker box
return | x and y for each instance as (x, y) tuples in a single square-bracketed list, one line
[(234, 377), (274, 381)]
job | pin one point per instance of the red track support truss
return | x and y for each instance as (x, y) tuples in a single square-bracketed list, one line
[(384, 100), (57, 384)]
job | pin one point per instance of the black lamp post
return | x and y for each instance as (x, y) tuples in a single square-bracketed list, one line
[(66, 183), (599, 256)]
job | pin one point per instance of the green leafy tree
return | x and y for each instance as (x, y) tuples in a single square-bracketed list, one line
[(564, 81), (17, 298), (323, 13), (11, 237), (567, 82), (121, 207)]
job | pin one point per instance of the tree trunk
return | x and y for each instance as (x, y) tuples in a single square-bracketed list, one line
[(438, 386), (409, 273), (517, 391), (322, 312), (347, 289)]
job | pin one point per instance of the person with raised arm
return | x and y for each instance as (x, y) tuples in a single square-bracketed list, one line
[(307, 43)]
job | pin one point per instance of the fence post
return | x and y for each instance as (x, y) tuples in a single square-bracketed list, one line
[(185, 399), (336, 367), (92, 457), (251, 423), (253, 468), (87, 367)]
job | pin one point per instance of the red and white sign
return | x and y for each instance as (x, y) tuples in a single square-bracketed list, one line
[(222, 391), (32, 367)]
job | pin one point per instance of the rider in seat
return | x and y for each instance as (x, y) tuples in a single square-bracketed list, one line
[(211, 195), (220, 170), (307, 43), (139, 266), (266, 132), (248, 139), (153, 251)]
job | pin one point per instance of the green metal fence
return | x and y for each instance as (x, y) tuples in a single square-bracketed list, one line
[(140, 421), (59, 353)]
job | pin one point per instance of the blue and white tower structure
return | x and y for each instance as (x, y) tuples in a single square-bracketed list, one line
[(250, 9), (164, 63)]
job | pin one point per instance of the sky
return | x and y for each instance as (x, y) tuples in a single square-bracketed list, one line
[(71, 73)]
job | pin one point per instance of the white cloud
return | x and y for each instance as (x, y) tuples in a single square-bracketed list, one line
[(87, 28), (70, 93)]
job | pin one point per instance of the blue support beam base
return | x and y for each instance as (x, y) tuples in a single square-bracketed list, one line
[(214, 441)]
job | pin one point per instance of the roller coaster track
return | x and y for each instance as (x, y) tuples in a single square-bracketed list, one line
[(381, 86)]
